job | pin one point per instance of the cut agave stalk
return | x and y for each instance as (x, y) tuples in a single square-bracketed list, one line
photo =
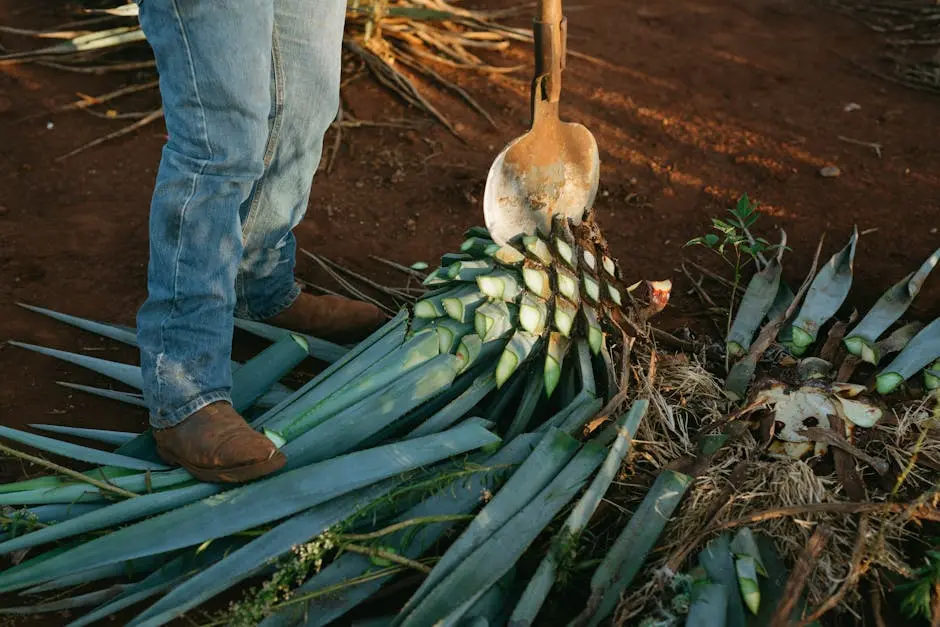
[(461, 308), (169, 576), (565, 314), (359, 359), (461, 497), (302, 417), (826, 294), (492, 320), (433, 306), (450, 332), (345, 431), (551, 455), (478, 231), (537, 280), (744, 544), (271, 499), (535, 386), (267, 368), (533, 314), (581, 399), (473, 350), (932, 376), (517, 351), (456, 409), (319, 349), (246, 560), (451, 258), (470, 270), (586, 367), (923, 350), (891, 306), (554, 357), (746, 570), (479, 246), (541, 583), (717, 560), (77, 452), (568, 285), (440, 276), (537, 247), (500, 285), (78, 492), (576, 419), (111, 515), (495, 557), (628, 554), (757, 301), (709, 605), (132, 568), (64, 605)]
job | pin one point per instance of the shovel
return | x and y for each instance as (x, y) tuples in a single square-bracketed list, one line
[(554, 168)]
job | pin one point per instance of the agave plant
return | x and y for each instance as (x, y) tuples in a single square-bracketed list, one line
[(482, 386), (820, 388)]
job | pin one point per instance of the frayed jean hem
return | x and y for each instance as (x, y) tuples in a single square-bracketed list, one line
[(179, 415)]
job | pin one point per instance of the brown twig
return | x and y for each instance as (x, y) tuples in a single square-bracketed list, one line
[(390, 291), (397, 266), (798, 577), (127, 130), (714, 275), (873, 145), (101, 485), (832, 438), (386, 555), (856, 568)]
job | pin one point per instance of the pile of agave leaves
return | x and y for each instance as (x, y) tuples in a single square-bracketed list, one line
[(512, 448)]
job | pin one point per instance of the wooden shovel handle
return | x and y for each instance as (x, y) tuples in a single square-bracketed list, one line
[(550, 11), (550, 30)]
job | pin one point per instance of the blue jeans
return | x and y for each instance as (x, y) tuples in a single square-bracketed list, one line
[(249, 89)]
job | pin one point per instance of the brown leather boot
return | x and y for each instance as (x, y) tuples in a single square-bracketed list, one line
[(215, 444), (330, 317)]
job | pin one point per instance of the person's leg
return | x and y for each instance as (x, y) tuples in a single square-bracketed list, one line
[(307, 46), (214, 61)]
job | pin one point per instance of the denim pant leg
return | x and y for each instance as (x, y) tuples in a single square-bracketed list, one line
[(307, 45), (214, 62)]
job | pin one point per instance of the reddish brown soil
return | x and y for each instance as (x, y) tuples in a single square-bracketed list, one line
[(692, 103)]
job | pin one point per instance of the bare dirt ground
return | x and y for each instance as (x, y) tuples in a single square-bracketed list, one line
[(692, 104)]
